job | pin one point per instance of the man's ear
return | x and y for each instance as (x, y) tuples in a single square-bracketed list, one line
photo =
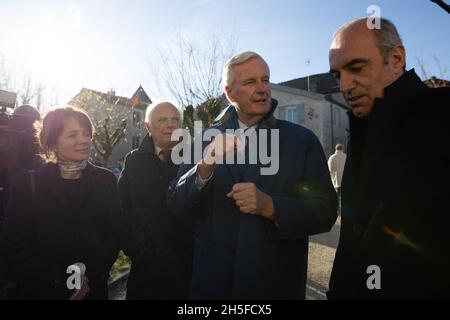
[(229, 93), (147, 126), (397, 58)]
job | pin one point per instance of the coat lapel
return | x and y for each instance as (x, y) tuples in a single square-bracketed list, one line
[(226, 124), (253, 171), (265, 183)]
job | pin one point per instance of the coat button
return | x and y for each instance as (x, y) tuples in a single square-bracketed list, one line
[(358, 229)]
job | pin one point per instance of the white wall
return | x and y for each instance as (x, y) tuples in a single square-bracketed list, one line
[(317, 116)]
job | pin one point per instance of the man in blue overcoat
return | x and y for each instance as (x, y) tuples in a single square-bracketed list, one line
[(253, 218)]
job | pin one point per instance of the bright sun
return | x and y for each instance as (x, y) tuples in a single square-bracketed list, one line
[(52, 51)]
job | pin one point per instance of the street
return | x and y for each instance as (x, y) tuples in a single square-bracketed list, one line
[(322, 248)]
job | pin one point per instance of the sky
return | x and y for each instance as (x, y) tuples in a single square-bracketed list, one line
[(104, 44)]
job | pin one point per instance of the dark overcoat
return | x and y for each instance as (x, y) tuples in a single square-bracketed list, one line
[(45, 233), (244, 256), (395, 198), (160, 247)]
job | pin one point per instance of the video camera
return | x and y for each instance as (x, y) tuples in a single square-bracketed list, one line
[(7, 100), (16, 129), (17, 141)]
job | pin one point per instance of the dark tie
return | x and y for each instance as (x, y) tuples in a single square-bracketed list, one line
[(242, 168), (165, 153)]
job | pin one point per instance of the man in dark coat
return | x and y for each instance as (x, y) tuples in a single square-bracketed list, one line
[(20, 152), (251, 239), (160, 248), (395, 209)]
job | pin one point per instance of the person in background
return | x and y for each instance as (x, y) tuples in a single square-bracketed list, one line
[(336, 164), (160, 248), (18, 150), (18, 154)]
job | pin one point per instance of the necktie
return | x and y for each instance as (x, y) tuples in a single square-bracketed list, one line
[(242, 168), (165, 153)]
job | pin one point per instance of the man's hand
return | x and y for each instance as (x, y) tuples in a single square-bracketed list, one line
[(82, 292), (251, 200), (217, 151)]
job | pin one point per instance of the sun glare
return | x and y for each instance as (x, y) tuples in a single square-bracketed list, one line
[(51, 51)]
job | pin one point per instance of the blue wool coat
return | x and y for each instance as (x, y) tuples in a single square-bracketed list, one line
[(244, 256)]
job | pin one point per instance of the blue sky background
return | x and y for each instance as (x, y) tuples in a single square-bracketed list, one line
[(106, 44)]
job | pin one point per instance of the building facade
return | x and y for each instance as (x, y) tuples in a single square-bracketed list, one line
[(107, 110), (326, 118)]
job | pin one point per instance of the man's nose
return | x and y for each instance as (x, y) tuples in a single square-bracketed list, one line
[(346, 83), (262, 87)]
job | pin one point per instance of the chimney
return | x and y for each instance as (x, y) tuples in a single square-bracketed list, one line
[(111, 93)]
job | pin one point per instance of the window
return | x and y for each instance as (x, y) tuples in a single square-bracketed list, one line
[(337, 117), (135, 142), (292, 114), (301, 113), (136, 119), (295, 114)]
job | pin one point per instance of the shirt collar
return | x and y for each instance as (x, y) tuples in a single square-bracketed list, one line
[(243, 126), (157, 149)]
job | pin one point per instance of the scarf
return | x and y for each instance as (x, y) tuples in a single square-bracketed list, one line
[(71, 166)]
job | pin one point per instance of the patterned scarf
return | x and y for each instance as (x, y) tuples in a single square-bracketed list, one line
[(71, 166)]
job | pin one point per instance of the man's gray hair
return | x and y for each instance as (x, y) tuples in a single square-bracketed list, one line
[(240, 58), (154, 104), (387, 36)]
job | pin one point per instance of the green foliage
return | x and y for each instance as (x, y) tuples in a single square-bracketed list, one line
[(188, 118), (122, 264), (209, 110), (206, 112)]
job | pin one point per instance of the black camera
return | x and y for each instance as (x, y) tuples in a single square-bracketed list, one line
[(7, 101), (18, 147)]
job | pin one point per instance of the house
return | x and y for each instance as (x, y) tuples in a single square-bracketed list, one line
[(434, 82), (322, 109), (112, 109)]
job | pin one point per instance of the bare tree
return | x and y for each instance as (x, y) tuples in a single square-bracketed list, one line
[(433, 81), (109, 121), (192, 74), (28, 90), (442, 4), (105, 140), (5, 74), (442, 71)]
